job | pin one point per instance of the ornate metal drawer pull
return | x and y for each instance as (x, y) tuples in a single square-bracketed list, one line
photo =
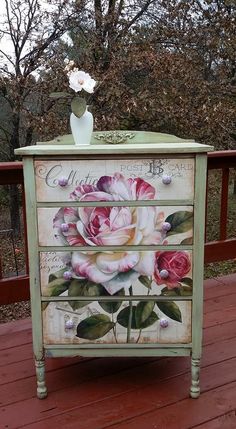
[(115, 137)]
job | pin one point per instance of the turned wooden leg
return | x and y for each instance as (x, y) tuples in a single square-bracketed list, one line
[(195, 370), (40, 374)]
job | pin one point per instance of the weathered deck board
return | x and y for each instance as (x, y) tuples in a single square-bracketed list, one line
[(125, 393), (226, 421)]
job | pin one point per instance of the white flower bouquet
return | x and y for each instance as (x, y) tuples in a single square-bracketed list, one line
[(78, 81)]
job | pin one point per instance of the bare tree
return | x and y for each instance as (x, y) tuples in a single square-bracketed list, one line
[(106, 25), (29, 31)]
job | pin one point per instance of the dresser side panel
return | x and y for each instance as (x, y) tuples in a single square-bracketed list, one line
[(32, 233)]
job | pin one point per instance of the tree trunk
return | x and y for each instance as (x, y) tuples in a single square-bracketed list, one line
[(14, 200)]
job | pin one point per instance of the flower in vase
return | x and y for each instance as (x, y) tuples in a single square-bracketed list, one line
[(79, 80)]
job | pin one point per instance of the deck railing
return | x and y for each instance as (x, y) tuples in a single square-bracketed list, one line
[(224, 248), (16, 288)]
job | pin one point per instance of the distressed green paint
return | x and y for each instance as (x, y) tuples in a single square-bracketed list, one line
[(139, 145), (35, 296), (118, 346), (115, 298), (177, 203), (198, 255), (117, 248), (33, 257), (198, 266), (150, 148), (118, 352), (148, 142)]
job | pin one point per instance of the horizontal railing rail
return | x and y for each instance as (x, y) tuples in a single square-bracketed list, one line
[(224, 248), (16, 288)]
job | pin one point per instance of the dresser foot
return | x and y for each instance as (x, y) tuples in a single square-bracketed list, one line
[(40, 374), (195, 386)]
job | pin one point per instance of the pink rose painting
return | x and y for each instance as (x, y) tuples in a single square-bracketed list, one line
[(177, 264), (105, 267)]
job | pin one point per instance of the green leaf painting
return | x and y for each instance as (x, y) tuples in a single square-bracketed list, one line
[(94, 327), (146, 281), (137, 322), (83, 288), (170, 309), (111, 306), (56, 287), (181, 221), (123, 317), (57, 274), (143, 311), (187, 281)]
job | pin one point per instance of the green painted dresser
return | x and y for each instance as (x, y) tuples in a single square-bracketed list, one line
[(115, 237)]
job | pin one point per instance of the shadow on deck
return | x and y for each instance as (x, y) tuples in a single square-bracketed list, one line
[(125, 393)]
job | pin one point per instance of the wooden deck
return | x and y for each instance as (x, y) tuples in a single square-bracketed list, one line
[(125, 393)]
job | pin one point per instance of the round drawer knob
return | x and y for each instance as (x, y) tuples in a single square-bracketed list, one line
[(67, 275), (164, 274), (166, 226), (64, 227), (69, 324), (166, 180), (164, 323), (63, 181)]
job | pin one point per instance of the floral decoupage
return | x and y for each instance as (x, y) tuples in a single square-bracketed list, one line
[(96, 271)]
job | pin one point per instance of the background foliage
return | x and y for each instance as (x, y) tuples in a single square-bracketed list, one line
[(165, 66)]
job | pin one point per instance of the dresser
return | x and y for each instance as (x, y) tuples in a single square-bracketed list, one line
[(116, 242)]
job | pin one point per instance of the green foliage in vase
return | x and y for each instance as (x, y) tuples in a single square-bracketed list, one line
[(78, 106)]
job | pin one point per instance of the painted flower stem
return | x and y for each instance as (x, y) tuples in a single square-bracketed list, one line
[(139, 335), (130, 316), (150, 286), (114, 327)]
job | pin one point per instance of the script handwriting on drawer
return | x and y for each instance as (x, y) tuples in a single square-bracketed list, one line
[(115, 180)]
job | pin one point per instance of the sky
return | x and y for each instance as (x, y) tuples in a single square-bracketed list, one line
[(6, 43)]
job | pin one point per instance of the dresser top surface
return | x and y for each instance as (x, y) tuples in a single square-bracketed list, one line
[(116, 142)]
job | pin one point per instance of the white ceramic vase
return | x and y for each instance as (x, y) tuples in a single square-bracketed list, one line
[(82, 128)]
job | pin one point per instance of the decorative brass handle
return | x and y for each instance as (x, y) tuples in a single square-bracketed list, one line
[(114, 137)]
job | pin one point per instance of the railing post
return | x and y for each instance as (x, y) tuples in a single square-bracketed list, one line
[(224, 203)]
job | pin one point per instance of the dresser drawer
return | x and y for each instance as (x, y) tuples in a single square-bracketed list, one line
[(152, 323), (115, 180), (114, 226), (119, 274)]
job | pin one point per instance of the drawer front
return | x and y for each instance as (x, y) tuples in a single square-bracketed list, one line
[(96, 323), (115, 226), (115, 180), (113, 273)]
